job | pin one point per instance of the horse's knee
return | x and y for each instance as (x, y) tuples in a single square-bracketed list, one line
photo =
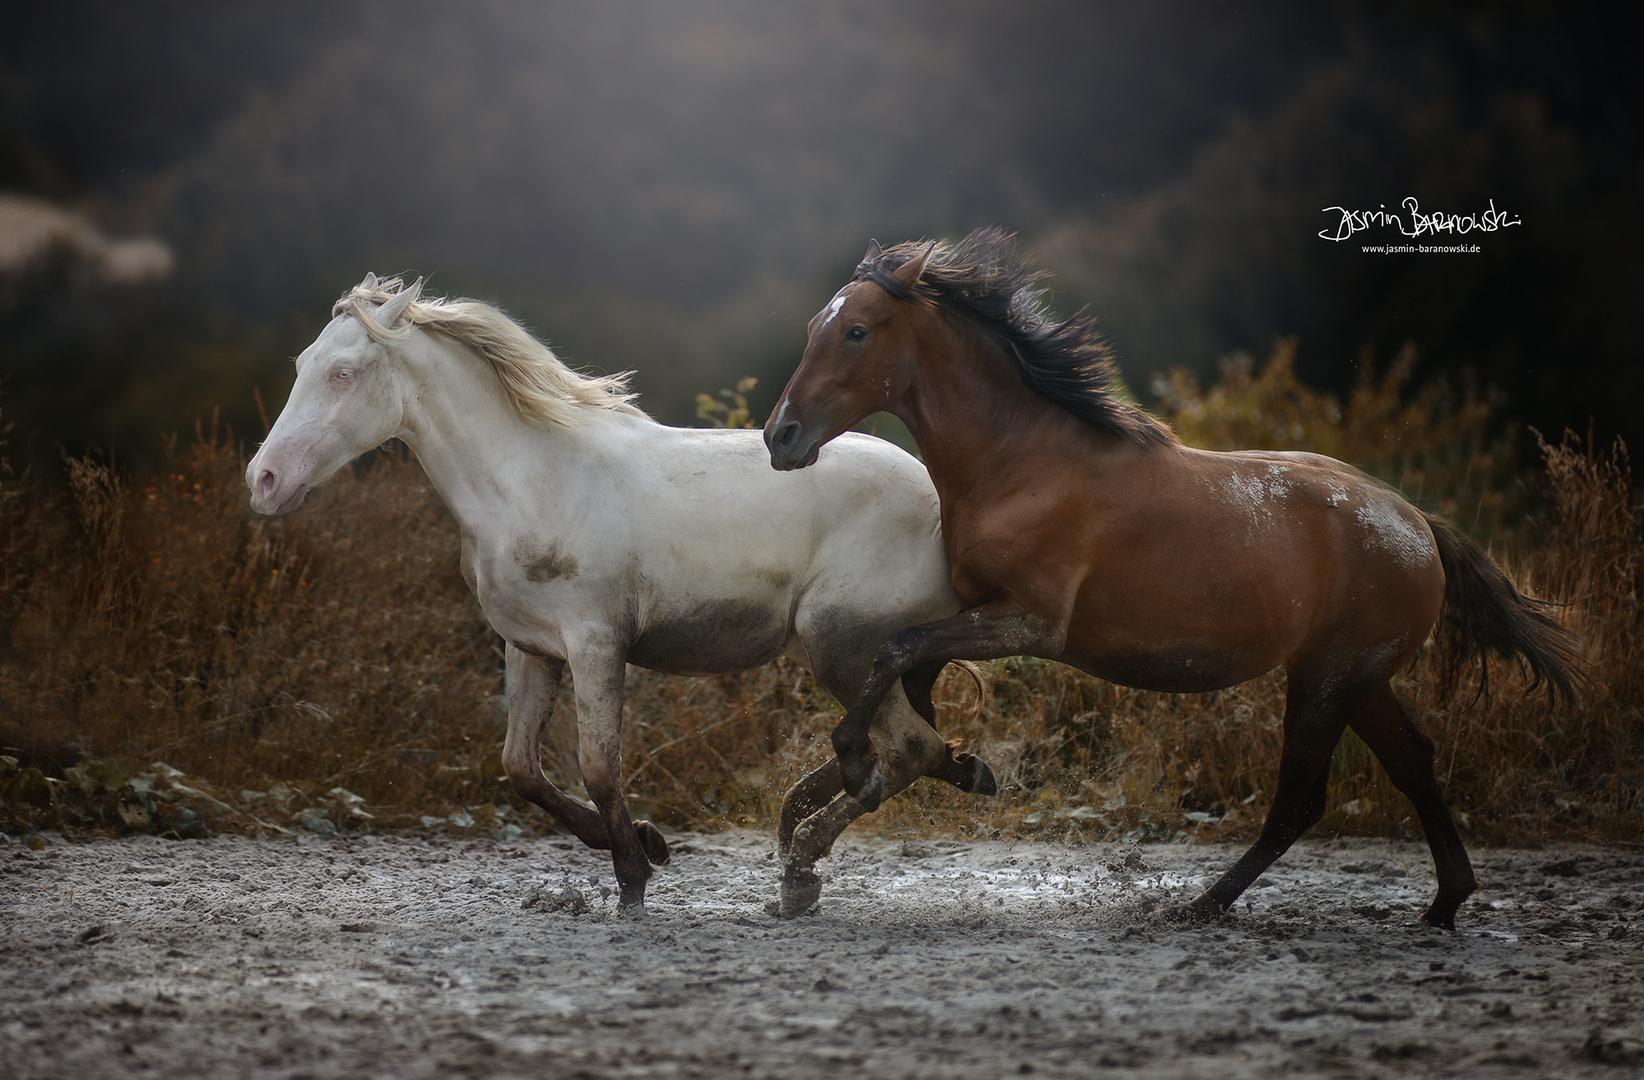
[(811, 793), (892, 656)]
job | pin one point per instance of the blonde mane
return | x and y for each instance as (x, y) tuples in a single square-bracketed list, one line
[(539, 384)]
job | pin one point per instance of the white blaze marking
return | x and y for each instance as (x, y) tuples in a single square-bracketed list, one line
[(833, 308)]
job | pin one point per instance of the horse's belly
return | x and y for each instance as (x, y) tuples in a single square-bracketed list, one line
[(1181, 668), (711, 638)]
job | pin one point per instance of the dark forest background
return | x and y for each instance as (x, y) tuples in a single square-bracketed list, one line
[(676, 187)]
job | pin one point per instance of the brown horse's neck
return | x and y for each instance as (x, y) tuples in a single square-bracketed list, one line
[(973, 415)]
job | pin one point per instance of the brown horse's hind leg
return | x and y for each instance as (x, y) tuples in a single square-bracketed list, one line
[(533, 684), (1311, 730), (1407, 755)]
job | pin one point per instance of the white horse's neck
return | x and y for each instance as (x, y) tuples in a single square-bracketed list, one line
[(486, 461)]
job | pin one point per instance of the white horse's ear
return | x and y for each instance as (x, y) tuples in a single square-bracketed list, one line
[(370, 281), (874, 251), (394, 310), (908, 273)]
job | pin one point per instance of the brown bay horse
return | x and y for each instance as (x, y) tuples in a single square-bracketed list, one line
[(1079, 529)]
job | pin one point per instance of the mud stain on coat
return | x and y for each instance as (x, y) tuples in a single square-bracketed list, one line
[(544, 565)]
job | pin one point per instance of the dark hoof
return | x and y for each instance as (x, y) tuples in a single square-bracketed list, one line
[(1198, 912), (631, 906), (650, 838), (981, 780), (1442, 911), (801, 889), (873, 791), (1442, 920)]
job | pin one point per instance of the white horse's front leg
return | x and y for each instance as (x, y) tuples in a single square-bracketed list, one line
[(906, 748), (533, 689), (597, 674)]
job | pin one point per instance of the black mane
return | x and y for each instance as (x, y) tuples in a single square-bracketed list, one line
[(1066, 361)]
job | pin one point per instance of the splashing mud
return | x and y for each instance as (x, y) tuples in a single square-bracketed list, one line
[(413, 956)]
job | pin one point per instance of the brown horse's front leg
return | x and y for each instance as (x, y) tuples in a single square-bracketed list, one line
[(1000, 628), (1315, 715)]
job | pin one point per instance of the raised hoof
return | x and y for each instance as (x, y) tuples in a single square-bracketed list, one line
[(650, 838), (981, 780), (801, 889)]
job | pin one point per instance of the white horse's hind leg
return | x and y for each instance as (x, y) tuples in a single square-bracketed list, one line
[(906, 747), (805, 798), (533, 689)]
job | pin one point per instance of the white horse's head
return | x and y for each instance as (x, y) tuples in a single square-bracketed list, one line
[(347, 399)]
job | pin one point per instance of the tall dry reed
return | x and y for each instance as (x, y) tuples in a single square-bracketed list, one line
[(338, 650)]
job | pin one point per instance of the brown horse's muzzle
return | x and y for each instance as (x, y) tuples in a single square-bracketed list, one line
[(790, 446)]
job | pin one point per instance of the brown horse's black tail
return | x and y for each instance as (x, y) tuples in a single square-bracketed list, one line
[(1485, 615)]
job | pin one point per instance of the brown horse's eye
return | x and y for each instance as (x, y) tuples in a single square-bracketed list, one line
[(856, 333)]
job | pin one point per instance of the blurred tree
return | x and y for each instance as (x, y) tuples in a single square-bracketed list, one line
[(677, 188)]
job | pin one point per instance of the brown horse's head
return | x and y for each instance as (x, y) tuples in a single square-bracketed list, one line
[(858, 361)]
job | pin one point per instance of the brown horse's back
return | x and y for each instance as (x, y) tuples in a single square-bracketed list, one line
[(1194, 570)]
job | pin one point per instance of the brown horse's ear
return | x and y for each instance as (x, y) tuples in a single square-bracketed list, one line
[(874, 251), (908, 273)]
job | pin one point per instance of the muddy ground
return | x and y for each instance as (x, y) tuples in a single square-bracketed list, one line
[(431, 956)]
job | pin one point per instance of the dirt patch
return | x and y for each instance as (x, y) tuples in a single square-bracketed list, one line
[(418, 956)]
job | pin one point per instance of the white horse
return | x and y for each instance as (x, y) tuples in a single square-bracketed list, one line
[(594, 536)]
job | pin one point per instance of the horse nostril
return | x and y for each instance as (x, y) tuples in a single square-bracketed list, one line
[(786, 434), (266, 483)]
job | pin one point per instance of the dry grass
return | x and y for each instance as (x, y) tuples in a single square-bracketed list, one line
[(332, 664)]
